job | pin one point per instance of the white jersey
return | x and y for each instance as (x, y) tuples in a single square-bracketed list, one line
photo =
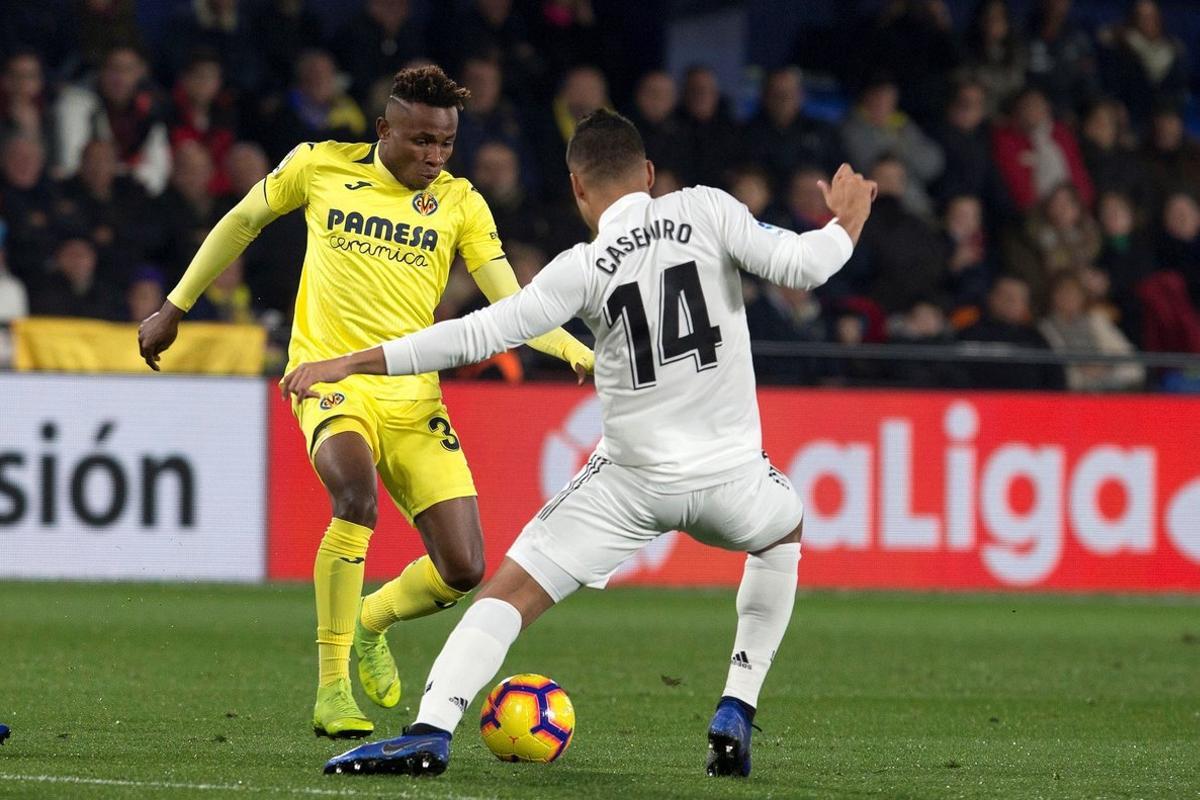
[(659, 287)]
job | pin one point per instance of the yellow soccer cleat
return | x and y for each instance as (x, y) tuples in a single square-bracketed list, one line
[(376, 667), (337, 716)]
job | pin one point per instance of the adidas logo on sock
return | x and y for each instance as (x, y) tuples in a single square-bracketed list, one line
[(461, 702), (740, 659)]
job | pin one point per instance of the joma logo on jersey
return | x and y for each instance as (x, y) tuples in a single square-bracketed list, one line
[(384, 229)]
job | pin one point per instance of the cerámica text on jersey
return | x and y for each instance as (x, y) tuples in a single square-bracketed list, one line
[(98, 485), (639, 237)]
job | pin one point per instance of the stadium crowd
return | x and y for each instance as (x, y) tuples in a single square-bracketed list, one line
[(1037, 183)]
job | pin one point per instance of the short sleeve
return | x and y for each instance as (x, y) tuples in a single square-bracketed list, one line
[(286, 187), (479, 242)]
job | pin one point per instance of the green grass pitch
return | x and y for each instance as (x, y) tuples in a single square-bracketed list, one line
[(198, 691)]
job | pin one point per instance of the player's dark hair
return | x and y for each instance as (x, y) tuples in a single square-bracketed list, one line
[(605, 146), (430, 86)]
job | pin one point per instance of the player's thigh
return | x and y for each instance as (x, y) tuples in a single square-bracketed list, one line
[(345, 463), (586, 532), (756, 510), (421, 460)]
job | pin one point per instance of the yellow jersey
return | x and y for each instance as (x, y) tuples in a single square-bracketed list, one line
[(378, 253)]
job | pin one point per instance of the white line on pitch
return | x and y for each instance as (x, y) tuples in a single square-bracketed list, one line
[(216, 787)]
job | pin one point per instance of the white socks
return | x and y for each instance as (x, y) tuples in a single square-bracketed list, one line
[(470, 658), (764, 607)]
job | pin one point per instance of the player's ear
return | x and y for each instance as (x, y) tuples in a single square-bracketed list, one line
[(577, 187), (381, 127), (649, 174)]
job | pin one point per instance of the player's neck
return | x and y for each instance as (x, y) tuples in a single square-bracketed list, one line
[(605, 196)]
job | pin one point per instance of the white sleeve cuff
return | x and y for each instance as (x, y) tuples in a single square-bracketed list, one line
[(844, 242), (398, 355)]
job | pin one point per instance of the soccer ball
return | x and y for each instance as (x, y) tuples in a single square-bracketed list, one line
[(527, 718)]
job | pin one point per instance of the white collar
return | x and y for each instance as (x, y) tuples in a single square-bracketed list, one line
[(623, 202)]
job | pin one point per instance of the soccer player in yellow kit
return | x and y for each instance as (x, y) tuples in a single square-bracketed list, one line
[(384, 224)]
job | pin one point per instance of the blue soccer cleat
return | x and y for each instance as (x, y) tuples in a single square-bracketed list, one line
[(410, 754), (729, 739), (4, 733)]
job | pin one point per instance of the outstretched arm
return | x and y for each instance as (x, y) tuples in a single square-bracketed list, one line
[(555, 296), (497, 280)]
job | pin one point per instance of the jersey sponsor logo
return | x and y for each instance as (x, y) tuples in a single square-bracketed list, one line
[(331, 400), (357, 185), (378, 250), (424, 203), (376, 227)]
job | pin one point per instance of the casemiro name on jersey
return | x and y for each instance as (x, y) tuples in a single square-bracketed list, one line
[(640, 237)]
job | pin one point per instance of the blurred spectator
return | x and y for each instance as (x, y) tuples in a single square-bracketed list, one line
[(283, 28), (1109, 151), (925, 323), (125, 109), (14, 302), (566, 34), (378, 41), (583, 90), (997, 55), (491, 29), (806, 209), (877, 128), (752, 186), (71, 288), (111, 207), (145, 294), (186, 209), (907, 257), (1036, 153), (712, 136), (1145, 64), (227, 299), (913, 41), (1126, 257), (1179, 246), (855, 321), (487, 116), (1170, 155), (655, 113), (1072, 326), (969, 259), (1007, 320), (216, 26), (314, 109), (1058, 236), (1062, 59), (779, 314), (100, 25), (26, 105), (967, 146), (782, 137), (496, 175), (202, 112), (30, 203), (246, 164)]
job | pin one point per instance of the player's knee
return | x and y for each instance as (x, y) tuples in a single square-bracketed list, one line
[(463, 574), (357, 506)]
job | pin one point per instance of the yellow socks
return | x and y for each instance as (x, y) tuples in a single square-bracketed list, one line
[(338, 580), (418, 592)]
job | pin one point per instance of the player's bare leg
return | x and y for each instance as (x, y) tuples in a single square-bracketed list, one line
[(453, 540), (764, 606), (472, 655), (346, 466)]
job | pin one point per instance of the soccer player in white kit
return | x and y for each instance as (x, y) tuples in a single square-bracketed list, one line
[(682, 446)]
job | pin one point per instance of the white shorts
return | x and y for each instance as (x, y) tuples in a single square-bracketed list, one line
[(607, 513)]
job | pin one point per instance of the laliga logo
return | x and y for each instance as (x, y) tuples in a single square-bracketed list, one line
[(1025, 541), (565, 451)]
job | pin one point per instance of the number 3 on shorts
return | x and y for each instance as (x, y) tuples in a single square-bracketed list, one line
[(441, 426)]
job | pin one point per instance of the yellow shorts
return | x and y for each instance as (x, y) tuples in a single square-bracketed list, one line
[(417, 454)]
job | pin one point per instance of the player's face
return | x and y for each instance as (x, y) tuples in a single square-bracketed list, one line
[(416, 140)]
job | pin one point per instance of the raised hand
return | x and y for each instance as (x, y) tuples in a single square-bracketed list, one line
[(849, 197)]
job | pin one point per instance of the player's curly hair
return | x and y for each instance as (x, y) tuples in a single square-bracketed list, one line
[(429, 86)]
